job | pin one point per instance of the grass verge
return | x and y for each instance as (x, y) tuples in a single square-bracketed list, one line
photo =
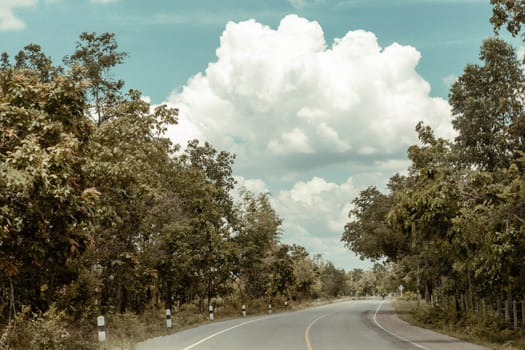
[(472, 329)]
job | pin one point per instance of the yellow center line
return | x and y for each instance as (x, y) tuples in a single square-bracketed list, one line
[(307, 332)]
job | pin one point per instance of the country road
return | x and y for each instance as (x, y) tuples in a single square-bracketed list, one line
[(369, 324)]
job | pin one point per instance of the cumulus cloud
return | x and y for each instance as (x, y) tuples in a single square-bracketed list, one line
[(8, 19), (256, 186), (315, 213), (284, 92), (317, 201)]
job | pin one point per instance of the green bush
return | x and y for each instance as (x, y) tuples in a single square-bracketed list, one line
[(47, 331)]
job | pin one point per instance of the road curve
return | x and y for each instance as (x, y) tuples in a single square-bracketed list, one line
[(357, 325)]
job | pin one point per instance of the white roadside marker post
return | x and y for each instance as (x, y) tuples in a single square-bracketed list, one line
[(286, 304), (244, 311), (210, 309), (269, 308), (101, 324), (169, 324)]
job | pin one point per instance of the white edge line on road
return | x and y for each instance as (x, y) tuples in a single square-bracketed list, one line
[(394, 334), (223, 331)]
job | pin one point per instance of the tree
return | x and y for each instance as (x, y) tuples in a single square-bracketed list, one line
[(257, 237), (510, 13), (32, 57), (423, 211), (368, 233), (333, 280), (488, 108), (95, 57), (47, 207), (204, 190), (306, 278), (129, 162)]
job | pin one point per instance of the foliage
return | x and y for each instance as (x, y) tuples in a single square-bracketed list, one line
[(42, 331), (47, 207), (459, 211), (368, 232), (101, 214), (508, 13), (488, 108), (95, 57)]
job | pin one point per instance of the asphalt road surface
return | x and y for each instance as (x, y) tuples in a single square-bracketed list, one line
[(358, 325)]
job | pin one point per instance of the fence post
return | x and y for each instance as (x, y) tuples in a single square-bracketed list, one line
[(169, 324), (210, 309), (507, 311), (101, 324)]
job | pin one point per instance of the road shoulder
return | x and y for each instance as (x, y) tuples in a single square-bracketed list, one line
[(387, 319)]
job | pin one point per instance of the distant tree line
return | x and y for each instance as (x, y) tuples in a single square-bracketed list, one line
[(454, 226)]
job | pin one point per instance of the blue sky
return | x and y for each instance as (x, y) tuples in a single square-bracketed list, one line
[(318, 98)]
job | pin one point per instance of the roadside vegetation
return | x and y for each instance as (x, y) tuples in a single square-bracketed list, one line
[(473, 328), (100, 214), (453, 227)]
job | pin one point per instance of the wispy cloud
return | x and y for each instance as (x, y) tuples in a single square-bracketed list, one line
[(345, 3), (8, 18), (299, 4), (195, 17), (449, 80), (103, 1)]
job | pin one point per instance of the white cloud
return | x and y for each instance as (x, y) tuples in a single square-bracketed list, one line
[(449, 80), (299, 4), (256, 186), (8, 19), (104, 1), (521, 53), (521, 56), (317, 200), (294, 141), (276, 93), (315, 213)]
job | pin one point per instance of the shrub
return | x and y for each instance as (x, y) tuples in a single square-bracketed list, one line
[(47, 331)]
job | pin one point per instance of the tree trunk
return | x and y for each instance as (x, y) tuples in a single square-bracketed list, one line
[(470, 294), (523, 311)]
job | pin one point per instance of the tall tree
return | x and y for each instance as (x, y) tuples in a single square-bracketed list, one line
[(95, 57), (368, 232), (258, 237), (206, 200), (487, 104), (46, 205), (128, 162), (423, 211)]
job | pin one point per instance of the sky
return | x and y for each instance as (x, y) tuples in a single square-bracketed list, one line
[(318, 99)]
